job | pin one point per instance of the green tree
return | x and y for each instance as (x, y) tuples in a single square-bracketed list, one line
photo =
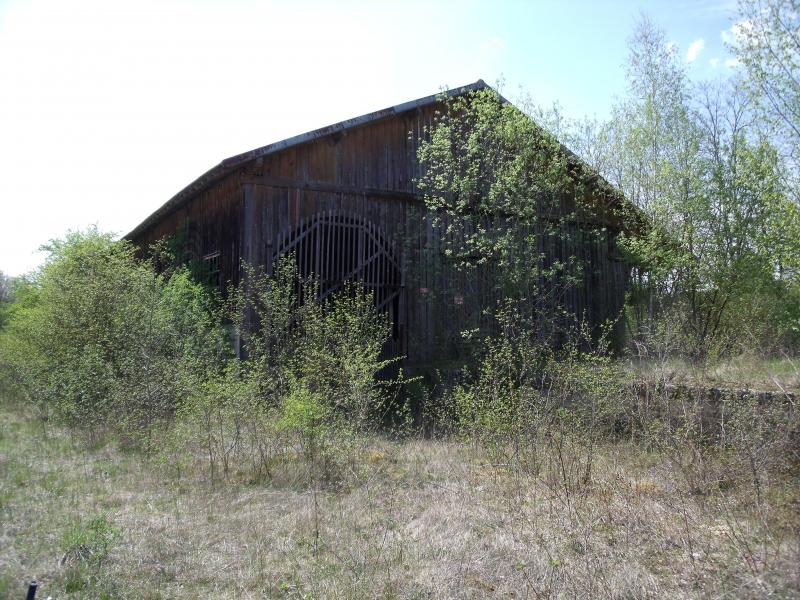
[(652, 150), (5, 287), (735, 256), (6, 295), (502, 192), (99, 340), (697, 165), (767, 42)]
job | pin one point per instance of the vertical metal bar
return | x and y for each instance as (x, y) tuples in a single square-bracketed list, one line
[(330, 226)]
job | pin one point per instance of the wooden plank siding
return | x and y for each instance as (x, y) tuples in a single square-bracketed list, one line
[(209, 223), (366, 174)]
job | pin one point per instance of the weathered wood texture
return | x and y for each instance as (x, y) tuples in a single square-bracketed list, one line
[(209, 223), (347, 203)]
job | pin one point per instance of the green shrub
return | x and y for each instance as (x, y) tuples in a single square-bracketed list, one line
[(86, 546), (304, 411), (309, 393), (535, 408), (97, 339), (89, 542)]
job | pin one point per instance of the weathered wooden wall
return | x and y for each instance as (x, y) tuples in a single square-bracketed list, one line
[(367, 174), (210, 223)]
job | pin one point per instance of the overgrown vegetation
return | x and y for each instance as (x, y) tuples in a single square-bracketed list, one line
[(308, 394), (174, 442), (552, 467), (718, 265), (429, 518), (99, 341), (505, 197)]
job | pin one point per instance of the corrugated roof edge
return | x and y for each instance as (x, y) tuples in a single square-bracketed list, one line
[(229, 164)]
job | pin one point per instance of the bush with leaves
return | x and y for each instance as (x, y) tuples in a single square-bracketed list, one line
[(86, 547), (761, 438), (309, 388), (98, 340), (715, 438), (539, 409)]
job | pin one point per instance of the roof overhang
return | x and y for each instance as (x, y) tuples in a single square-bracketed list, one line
[(229, 165)]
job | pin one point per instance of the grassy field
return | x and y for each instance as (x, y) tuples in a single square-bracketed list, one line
[(428, 519)]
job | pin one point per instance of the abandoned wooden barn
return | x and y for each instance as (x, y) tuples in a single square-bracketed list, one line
[(344, 200)]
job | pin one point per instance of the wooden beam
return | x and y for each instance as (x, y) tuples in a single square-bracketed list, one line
[(333, 188)]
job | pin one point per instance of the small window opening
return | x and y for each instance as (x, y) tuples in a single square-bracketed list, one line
[(211, 270)]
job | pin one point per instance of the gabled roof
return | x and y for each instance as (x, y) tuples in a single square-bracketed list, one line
[(231, 164)]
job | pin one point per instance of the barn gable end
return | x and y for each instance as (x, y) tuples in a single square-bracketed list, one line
[(344, 198)]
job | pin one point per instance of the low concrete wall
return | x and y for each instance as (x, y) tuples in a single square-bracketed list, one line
[(677, 402), (710, 394)]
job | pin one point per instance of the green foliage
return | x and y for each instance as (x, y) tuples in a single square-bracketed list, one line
[(765, 40), (100, 341), (89, 542), (485, 157), (97, 339), (6, 295), (715, 267), (342, 356), (223, 416), (761, 438), (536, 408), (332, 348), (716, 438), (309, 388), (303, 411), (503, 192), (86, 547)]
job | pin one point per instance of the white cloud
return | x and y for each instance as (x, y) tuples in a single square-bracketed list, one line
[(714, 62), (734, 34), (694, 49)]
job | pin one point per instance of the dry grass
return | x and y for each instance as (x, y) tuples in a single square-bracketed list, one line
[(428, 520), (741, 372)]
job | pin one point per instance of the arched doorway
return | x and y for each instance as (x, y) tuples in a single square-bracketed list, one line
[(336, 247)]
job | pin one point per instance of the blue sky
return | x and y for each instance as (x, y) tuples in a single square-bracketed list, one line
[(108, 108)]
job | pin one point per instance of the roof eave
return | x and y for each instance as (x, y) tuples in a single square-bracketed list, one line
[(230, 164)]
